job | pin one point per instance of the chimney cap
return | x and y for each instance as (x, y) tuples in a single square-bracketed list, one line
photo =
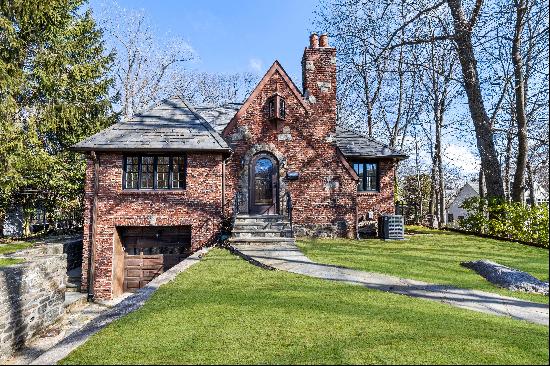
[(323, 41), (313, 40)]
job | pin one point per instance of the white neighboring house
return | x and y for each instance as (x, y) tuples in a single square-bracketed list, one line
[(454, 210), (541, 195), (471, 189)]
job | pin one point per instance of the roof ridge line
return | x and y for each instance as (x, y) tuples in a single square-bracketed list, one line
[(366, 137), (205, 123), (151, 106)]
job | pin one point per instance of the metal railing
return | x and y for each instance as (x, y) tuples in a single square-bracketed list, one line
[(236, 205), (288, 207)]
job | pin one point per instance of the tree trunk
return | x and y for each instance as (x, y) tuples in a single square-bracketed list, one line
[(433, 188), (531, 184), (482, 123), (507, 163), (482, 184), (521, 117), (419, 195), (439, 161)]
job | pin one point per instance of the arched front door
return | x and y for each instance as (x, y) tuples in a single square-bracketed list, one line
[(263, 185)]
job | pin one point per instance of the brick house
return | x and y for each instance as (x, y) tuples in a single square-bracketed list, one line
[(160, 185)]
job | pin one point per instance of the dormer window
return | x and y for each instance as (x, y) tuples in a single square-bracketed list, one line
[(276, 108)]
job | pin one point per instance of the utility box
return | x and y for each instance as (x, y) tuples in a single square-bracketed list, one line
[(391, 227)]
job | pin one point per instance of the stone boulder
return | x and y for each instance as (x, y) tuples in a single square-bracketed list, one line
[(509, 278)]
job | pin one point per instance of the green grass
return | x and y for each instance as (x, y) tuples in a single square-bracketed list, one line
[(4, 262), (13, 246), (224, 310), (432, 256)]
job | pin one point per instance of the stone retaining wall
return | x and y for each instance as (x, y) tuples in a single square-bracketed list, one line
[(32, 295)]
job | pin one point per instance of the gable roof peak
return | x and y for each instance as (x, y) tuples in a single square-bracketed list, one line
[(275, 67)]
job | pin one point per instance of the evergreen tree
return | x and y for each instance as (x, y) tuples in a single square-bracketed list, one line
[(54, 91)]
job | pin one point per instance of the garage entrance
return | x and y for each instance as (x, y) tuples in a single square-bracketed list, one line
[(150, 251)]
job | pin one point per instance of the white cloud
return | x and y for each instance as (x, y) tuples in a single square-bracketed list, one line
[(461, 157), (256, 65)]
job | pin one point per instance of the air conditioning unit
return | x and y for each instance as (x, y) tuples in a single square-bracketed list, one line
[(391, 227)]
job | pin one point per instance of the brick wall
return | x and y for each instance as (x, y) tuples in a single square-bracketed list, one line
[(199, 206), (381, 202), (324, 196)]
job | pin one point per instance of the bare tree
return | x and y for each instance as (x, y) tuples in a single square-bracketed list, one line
[(149, 68), (216, 89), (515, 48), (522, 8), (146, 66), (377, 95), (440, 90), (462, 37)]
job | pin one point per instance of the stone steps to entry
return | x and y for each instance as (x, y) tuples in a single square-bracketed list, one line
[(261, 240), (263, 233), (258, 229)]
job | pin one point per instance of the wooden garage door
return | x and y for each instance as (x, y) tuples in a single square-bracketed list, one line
[(150, 251)]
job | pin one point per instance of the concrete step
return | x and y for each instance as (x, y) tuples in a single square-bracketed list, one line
[(257, 240), (74, 300), (262, 233), (248, 216), (73, 285), (272, 229), (263, 226), (259, 219)]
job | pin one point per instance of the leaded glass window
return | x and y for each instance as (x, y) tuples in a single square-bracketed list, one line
[(368, 176), (147, 180), (154, 172), (163, 172), (178, 172), (132, 172)]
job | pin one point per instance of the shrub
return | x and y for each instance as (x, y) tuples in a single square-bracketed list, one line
[(509, 220)]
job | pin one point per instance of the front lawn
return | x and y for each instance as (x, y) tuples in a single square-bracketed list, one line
[(13, 246), (432, 256), (7, 247), (227, 311), (4, 262)]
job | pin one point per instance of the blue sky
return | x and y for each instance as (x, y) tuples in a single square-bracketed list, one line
[(235, 36)]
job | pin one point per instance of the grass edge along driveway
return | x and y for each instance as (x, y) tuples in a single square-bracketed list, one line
[(225, 310), (432, 256)]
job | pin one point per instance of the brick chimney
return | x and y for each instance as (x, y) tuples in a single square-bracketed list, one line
[(319, 80)]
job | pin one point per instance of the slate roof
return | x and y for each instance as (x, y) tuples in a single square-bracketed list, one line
[(171, 125), (174, 125), (219, 117), (355, 145)]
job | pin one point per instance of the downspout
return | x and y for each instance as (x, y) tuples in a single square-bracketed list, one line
[(223, 187), (92, 248)]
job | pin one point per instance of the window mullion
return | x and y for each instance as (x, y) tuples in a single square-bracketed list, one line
[(365, 173), (139, 173), (185, 171), (124, 172), (170, 169), (155, 166)]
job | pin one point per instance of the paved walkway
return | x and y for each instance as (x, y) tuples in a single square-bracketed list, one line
[(95, 317), (289, 258)]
